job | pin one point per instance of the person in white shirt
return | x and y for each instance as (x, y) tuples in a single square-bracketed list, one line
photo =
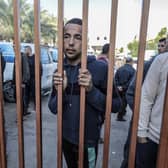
[(151, 110)]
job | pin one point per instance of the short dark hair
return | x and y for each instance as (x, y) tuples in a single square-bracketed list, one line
[(129, 59), (28, 47), (105, 48), (162, 39), (77, 21)]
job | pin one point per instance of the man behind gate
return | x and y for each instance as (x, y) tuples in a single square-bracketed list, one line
[(94, 79)]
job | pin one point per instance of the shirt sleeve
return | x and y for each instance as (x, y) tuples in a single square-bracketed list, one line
[(149, 93), (52, 103), (97, 96), (96, 99)]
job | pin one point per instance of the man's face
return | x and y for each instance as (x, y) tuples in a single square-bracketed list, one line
[(161, 47), (73, 41), (27, 51)]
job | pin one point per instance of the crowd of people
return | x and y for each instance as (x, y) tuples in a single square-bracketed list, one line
[(94, 80), (151, 101)]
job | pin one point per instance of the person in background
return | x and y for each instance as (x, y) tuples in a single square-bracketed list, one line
[(151, 111), (25, 79), (116, 99), (162, 45), (130, 94), (94, 79), (30, 87), (123, 78), (104, 54)]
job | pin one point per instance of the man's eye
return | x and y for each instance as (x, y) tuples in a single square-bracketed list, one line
[(66, 36), (78, 37)]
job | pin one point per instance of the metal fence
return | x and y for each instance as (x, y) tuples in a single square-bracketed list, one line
[(162, 156)]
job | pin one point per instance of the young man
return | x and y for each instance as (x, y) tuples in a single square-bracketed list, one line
[(151, 111), (130, 97), (94, 79), (30, 87), (161, 45)]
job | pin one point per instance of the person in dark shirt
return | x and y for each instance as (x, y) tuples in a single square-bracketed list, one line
[(25, 80), (116, 99), (123, 78), (94, 79), (30, 87), (104, 54)]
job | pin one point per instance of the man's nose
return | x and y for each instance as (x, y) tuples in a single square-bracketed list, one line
[(71, 41)]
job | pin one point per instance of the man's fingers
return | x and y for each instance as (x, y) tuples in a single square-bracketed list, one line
[(83, 71), (57, 78), (57, 75), (65, 73)]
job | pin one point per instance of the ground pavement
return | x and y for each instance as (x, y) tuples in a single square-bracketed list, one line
[(118, 137)]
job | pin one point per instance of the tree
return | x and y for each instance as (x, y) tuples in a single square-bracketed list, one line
[(48, 22), (133, 47), (48, 27), (6, 16), (27, 34), (121, 50)]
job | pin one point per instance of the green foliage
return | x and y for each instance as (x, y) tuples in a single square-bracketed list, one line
[(150, 45), (48, 22), (121, 50), (133, 47)]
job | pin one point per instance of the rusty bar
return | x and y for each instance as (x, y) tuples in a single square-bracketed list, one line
[(162, 159), (2, 129), (16, 5), (60, 70), (38, 83), (0, 157), (82, 89), (141, 53), (114, 9)]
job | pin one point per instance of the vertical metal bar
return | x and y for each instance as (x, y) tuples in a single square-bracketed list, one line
[(16, 6), (141, 53), (162, 159), (82, 89), (38, 83), (114, 9), (0, 157), (2, 130), (60, 70)]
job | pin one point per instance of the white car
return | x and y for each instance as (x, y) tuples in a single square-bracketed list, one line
[(48, 65)]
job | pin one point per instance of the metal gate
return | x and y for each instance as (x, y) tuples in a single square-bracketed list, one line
[(162, 157)]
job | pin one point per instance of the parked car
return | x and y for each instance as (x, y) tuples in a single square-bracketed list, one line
[(54, 54), (48, 66)]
